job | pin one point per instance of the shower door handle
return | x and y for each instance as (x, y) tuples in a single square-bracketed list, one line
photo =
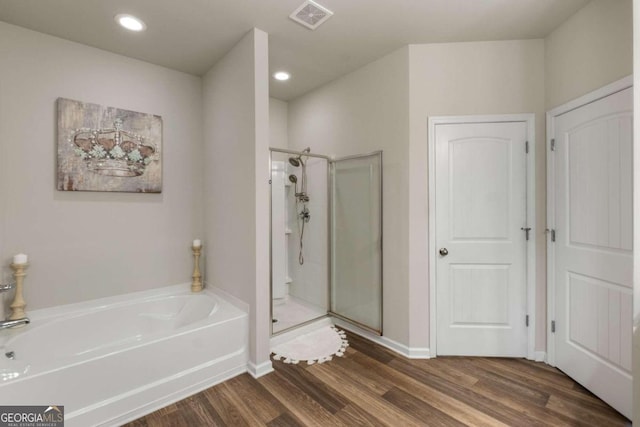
[(444, 252)]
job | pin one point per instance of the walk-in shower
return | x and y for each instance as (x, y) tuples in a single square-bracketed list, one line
[(326, 238)]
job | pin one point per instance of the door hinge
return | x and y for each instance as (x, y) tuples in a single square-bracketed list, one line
[(526, 147), (552, 233), (526, 231), (526, 321), (553, 144), (553, 326)]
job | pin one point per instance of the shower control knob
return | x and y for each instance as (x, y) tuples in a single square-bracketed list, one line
[(444, 251)]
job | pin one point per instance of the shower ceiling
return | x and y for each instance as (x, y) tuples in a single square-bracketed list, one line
[(192, 35)]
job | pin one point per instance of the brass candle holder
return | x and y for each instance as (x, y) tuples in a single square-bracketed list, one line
[(18, 304), (196, 284)]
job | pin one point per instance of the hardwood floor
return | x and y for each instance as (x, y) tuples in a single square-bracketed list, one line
[(372, 386)]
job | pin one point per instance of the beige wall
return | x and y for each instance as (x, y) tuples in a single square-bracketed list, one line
[(460, 79), (262, 323), (591, 49), (278, 127), (364, 111), (86, 245), (636, 213), (236, 134)]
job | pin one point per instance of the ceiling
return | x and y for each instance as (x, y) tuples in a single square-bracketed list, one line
[(191, 35)]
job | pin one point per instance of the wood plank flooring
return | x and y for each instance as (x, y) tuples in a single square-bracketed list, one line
[(372, 386)]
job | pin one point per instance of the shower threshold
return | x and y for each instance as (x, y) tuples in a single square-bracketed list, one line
[(291, 312)]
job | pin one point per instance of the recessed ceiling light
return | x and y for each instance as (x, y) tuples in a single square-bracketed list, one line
[(130, 22), (282, 75)]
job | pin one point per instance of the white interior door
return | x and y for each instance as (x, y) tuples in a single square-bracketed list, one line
[(481, 260), (593, 246)]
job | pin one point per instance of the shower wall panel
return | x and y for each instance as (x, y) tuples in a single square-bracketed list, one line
[(310, 280)]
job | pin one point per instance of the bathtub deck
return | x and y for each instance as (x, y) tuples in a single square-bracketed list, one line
[(373, 386), (112, 359)]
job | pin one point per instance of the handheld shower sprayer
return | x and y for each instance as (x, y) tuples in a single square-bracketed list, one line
[(294, 180), (301, 197)]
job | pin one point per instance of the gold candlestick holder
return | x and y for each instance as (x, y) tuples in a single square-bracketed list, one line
[(196, 284), (18, 304)]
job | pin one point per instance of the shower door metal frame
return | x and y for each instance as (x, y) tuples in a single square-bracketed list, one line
[(330, 208), (318, 156), (330, 181)]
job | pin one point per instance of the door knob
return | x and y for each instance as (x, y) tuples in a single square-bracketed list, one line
[(444, 251)]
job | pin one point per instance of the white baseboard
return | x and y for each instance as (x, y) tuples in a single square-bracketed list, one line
[(406, 351), (256, 371), (540, 356)]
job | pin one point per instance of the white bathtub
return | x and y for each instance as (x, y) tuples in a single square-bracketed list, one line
[(113, 360)]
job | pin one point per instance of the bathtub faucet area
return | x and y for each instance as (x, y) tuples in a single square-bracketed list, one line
[(5, 324), (6, 287), (18, 316)]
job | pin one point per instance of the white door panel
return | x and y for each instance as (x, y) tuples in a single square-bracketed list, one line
[(480, 210), (593, 248), (473, 190)]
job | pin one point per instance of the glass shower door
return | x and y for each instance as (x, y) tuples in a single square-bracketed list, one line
[(356, 243), (299, 238)]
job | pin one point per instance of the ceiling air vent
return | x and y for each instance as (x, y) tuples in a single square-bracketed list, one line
[(311, 14)]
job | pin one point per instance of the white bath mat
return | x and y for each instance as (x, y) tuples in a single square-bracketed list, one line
[(318, 346)]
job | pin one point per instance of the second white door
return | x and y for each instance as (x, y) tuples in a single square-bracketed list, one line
[(593, 247), (480, 242)]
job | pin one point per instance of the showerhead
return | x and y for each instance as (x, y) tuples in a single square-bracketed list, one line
[(295, 161), (293, 178)]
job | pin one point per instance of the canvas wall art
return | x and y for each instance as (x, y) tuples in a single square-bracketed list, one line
[(108, 149)]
